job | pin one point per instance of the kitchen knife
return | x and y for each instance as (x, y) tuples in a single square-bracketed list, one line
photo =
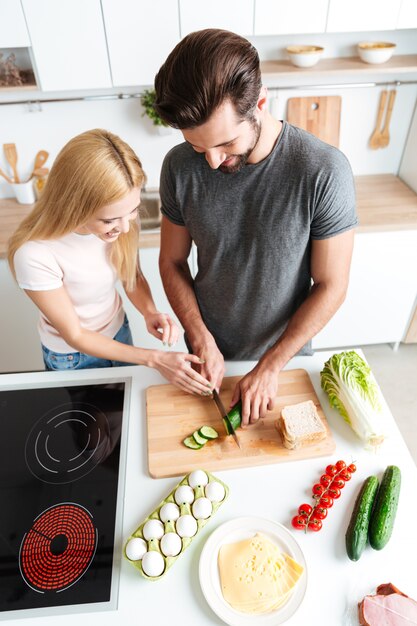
[(225, 417)]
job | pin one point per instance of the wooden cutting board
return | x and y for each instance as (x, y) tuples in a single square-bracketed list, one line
[(319, 115), (172, 415)]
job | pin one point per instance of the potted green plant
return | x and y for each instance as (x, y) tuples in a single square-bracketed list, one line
[(147, 100)]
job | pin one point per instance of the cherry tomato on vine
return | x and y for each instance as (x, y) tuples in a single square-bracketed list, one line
[(334, 492), (331, 470), (305, 510), (351, 468), (320, 512), (318, 489), (338, 483), (340, 465), (325, 480), (326, 502), (345, 475), (298, 522), (315, 524)]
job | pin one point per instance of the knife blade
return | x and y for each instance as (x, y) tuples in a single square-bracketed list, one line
[(225, 417)]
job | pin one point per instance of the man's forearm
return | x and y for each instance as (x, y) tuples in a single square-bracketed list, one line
[(318, 308)]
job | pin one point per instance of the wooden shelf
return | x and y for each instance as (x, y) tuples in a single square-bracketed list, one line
[(384, 203), (398, 64)]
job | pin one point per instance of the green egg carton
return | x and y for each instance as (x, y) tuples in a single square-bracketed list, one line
[(170, 525)]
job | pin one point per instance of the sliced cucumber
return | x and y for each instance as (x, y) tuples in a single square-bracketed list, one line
[(208, 432), (190, 442), (200, 439)]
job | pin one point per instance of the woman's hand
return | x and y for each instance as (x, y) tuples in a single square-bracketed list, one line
[(212, 366), (161, 326), (176, 368)]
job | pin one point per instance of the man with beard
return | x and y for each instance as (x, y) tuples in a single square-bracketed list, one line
[(270, 208)]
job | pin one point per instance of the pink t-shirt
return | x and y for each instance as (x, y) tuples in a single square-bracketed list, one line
[(81, 264)]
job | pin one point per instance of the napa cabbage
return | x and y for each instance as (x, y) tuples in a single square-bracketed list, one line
[(352, 390)]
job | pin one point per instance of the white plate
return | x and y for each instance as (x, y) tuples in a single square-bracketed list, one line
[(236, 530)]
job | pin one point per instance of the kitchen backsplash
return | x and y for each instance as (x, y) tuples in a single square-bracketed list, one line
[(50, 125)]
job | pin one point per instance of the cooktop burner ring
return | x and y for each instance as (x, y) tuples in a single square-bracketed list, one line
[(67, 443), (59, 548)]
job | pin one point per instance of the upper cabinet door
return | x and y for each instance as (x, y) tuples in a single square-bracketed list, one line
[(280, 17), (357, 15), (234, 15), (13, 31), (408, 14), (69, 44), (139, 39)]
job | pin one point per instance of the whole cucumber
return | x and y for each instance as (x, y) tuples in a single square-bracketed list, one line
[(357, 531), (383, 516)]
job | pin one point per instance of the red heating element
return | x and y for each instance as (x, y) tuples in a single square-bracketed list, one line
[(59, 548)]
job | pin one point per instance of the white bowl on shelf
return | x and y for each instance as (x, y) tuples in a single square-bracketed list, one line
[(376, 51), (304, 56)]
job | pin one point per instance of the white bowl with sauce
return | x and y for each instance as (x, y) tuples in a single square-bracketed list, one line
[(376, 51), (304, 56)]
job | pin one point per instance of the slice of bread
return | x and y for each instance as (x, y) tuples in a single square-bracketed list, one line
[(301, 425)]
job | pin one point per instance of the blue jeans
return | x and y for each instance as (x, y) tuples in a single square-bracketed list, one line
[(81, 361)]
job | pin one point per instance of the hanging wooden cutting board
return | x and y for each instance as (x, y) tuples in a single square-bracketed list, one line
[(172, 415), (319, 115)]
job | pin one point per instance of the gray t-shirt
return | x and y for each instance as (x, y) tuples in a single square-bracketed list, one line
[(253, 232)]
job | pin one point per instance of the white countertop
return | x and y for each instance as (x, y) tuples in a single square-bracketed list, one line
[(335, 584)]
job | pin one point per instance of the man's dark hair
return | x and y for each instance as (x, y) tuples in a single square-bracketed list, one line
[(203, 70)]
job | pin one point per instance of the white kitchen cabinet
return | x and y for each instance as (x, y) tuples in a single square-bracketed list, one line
[(13, 31), (407, 17), (234, 15), (358, 15), (139, 38), (69, 44), (280, 17), (19, 338), (381, 295)]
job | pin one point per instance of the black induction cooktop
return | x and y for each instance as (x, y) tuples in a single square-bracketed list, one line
[(60, 472)]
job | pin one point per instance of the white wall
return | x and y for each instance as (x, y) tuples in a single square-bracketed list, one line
[(52, 126)]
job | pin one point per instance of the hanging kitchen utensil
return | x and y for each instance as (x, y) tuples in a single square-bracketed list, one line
[(9, 180), (319, 115), (384, 139), (40, 158), (374, 141), (10, 153)]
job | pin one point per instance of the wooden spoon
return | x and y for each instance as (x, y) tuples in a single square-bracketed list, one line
[(9, 180), (384, 138), (40, 158), (10, 153), (376, 135)]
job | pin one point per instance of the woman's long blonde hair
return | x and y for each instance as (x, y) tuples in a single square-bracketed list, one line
[(92, 170)]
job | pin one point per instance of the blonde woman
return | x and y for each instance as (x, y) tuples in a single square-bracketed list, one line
[(69, 252)]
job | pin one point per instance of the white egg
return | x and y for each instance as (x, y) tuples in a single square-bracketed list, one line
[(136, 548), (171, 544), (153, 563), (186, 526), (197, 478), (169, 512), (202, 508), (153, 529), (215, 492), (184, 495)]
